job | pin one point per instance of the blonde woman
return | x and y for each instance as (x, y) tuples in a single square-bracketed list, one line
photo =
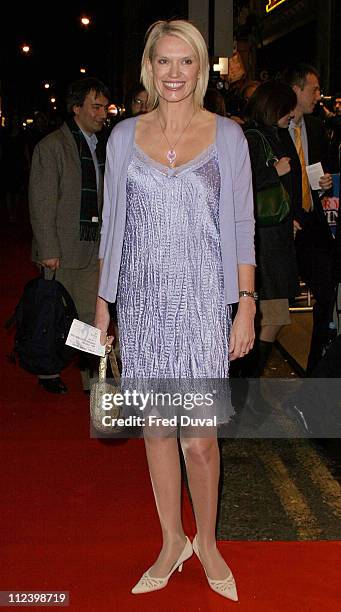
[(177, 251)]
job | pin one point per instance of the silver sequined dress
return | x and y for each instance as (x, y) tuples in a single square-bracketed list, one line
[(170, 303)]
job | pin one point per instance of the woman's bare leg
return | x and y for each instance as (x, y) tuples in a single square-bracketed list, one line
[(165, 473), (269, 333), (202, 460)]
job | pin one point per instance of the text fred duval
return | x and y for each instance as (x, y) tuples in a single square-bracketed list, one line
[(156, 421)]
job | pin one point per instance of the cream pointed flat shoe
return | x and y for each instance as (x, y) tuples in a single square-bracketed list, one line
[(227, 587), (148, 583)]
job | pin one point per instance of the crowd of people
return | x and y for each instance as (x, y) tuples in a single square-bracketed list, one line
[(177, 232), (279, 115)]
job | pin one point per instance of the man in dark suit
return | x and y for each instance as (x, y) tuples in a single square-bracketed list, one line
[(314, 240)]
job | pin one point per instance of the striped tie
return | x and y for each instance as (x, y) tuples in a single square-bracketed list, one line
[(306, 194)]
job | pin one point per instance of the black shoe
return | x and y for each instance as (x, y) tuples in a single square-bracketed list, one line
[(256, 410), (53, 385), (256, 414), (230, 429)]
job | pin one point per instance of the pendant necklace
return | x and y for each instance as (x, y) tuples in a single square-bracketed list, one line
[(171, 154)]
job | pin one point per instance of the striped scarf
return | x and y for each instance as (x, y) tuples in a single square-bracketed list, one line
[(89, 229)]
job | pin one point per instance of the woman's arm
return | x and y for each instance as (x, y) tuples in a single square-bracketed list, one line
[(243, 330), (102, 316), (242, 333)]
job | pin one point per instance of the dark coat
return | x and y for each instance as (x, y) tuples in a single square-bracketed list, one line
[(314, 243), (315, 225), (55, 201), (276, 273)]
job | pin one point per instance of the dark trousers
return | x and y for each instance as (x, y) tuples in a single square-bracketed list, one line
[(314, 258), (82, 285)]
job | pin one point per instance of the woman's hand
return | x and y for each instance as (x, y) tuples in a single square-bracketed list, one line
[(282, 166), (102, 320), (243, 330)]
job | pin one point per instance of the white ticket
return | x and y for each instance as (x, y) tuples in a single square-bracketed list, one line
[(86, 338), (314, 172)]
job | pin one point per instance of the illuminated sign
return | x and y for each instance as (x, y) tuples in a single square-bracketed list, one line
[(272, 4)]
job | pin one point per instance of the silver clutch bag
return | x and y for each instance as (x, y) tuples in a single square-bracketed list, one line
[(103, 410)]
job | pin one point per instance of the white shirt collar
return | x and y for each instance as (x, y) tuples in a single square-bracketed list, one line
[(91, 140)]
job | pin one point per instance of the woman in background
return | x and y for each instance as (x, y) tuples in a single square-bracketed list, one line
[(135, 101), (269, 110)]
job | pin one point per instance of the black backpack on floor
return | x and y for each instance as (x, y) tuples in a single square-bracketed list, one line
[(43, 317)]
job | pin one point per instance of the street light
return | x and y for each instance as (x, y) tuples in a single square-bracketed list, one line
[(52, 100), (25, 48), (82, 70), (222, 67), (113, 110), (85, 21), (47, 85)]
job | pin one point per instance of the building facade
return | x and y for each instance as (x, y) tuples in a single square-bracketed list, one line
[(286, 31)]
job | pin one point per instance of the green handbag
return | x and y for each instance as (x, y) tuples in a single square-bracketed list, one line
[(272, 203)]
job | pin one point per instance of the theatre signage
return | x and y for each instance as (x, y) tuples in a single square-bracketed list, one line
[(273, 4)]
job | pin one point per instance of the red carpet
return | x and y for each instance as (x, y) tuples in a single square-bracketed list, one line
[(78, 513)]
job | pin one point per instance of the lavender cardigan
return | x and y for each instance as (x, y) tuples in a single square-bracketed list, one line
[(235, 208)]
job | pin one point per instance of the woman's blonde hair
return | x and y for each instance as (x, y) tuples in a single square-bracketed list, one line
[(191, 35)]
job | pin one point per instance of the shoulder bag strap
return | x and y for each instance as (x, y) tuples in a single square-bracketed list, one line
[(114, 366), (102, 370), (269, 154)]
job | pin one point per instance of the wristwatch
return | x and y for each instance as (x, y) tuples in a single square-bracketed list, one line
[(251, 294)]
